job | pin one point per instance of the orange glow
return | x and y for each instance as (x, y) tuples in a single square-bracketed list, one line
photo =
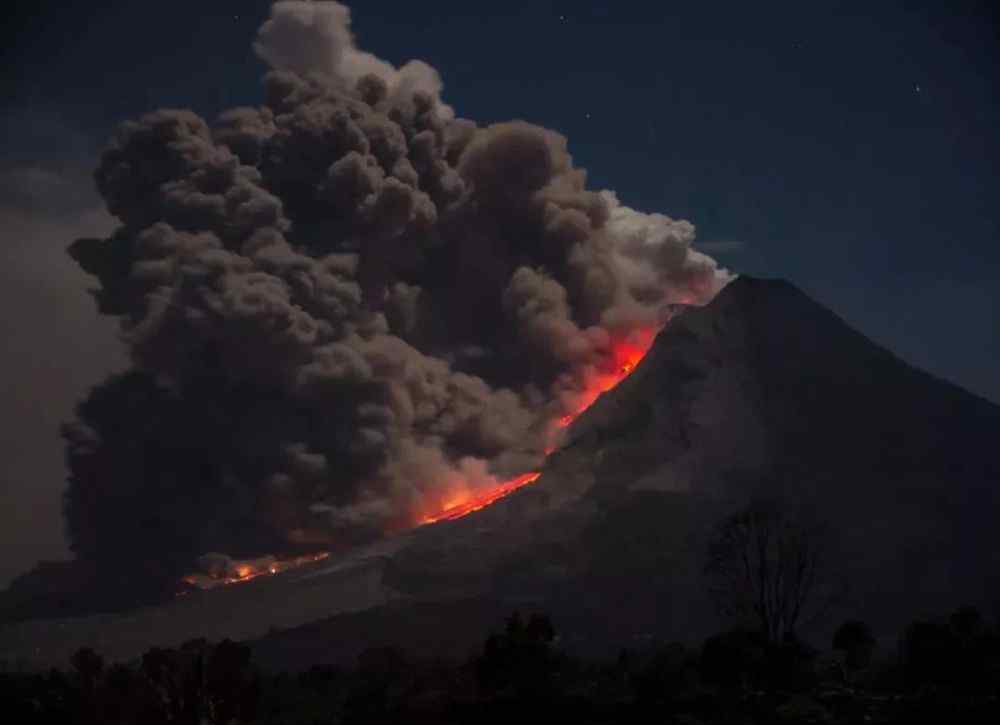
[(625, 354), (621, 360), (244, 571), (466, 502)]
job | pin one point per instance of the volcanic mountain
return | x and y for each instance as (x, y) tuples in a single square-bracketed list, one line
[(762, 392)]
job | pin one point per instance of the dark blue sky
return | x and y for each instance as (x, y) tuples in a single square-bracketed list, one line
[(850, 147)]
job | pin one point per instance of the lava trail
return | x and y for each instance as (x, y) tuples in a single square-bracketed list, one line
[(238, 571), (625, 356)]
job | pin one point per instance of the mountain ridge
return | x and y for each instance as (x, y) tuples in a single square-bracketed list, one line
[(763, 392)]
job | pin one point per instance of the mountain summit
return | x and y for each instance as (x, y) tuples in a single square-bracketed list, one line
[(761, 393)]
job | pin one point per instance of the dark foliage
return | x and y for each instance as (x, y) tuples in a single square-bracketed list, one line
[(195, 683), (947, 671), (959, 654), (855, 640), (519, 661)]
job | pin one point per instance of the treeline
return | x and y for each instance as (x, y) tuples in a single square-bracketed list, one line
[(943, 670)]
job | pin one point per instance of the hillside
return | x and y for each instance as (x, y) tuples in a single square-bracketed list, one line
[(761, 392)]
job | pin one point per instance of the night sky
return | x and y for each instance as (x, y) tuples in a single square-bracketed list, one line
[(850, 152)]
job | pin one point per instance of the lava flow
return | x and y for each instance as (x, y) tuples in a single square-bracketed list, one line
[(245, 570), (468, 501), (625, 355)]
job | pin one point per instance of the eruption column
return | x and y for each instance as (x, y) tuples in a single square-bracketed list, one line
[(348, 310)]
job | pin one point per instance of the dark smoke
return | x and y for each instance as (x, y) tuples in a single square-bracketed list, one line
[(341, 306)]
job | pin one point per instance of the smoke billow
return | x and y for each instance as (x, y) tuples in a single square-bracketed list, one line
[(344, 306)]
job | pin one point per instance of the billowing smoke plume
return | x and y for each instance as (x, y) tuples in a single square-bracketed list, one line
[(343, 306)]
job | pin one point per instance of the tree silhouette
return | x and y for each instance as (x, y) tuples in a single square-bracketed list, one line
[(765, 565), (930, 654), (231, 683), (88, 665), (89, 668), (960, 652), (519, 661), (855, 640)]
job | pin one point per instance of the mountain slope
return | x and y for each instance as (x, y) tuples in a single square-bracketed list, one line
[(762, 392)]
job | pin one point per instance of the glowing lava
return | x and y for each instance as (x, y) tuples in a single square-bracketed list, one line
[(624, 356), (468, 501), (245, 570)]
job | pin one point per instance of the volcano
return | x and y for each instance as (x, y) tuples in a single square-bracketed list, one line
[(762, 392)]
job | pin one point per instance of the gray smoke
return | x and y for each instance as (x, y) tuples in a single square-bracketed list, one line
[(345, 307)]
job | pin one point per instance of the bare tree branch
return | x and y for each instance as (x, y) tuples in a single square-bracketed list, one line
[(765, 564)]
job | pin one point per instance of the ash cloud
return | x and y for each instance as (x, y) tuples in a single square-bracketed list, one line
[(343, 306)]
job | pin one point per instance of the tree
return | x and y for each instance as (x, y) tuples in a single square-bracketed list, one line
[(89, 666), (232, 683), (958, 652), (855, 640), (734, 659), (765, 565), (519, 661), (930, 654)]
